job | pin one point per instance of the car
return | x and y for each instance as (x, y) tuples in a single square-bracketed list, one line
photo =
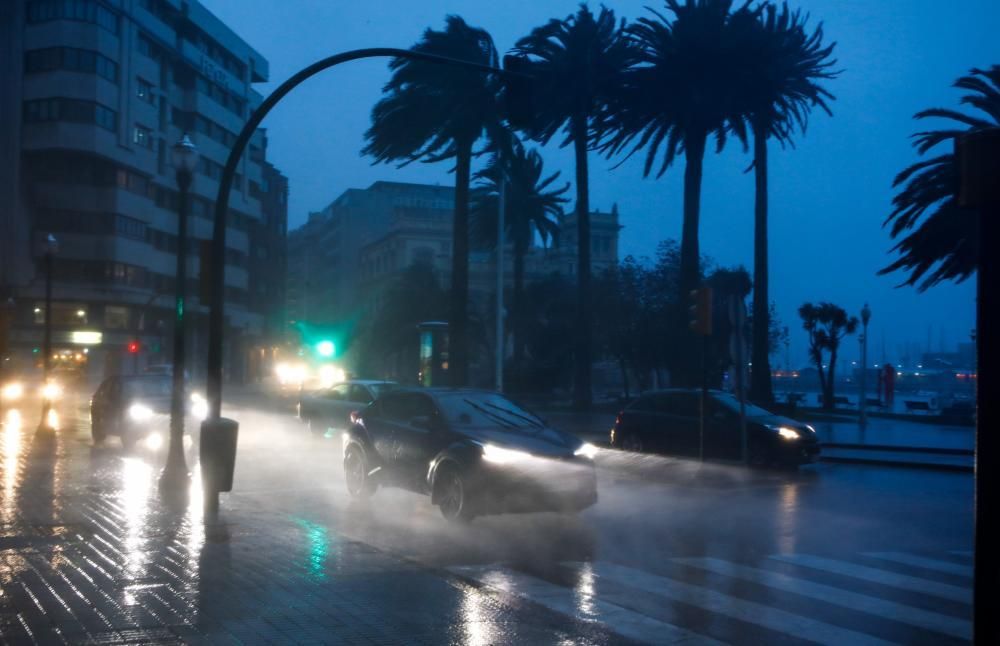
[(137, 407), (331, 407), (668, 422), (473, 452)]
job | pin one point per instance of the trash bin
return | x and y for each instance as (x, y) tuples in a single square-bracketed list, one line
[(218, 453)]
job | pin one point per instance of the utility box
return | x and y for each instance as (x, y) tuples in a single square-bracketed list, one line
[(218, 453)]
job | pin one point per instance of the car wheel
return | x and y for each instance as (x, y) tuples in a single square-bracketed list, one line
[(632, 442), (97, 429), (452, 494), (359, 483), (128, 441)]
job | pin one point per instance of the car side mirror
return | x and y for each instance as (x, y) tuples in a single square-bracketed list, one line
[(422, 421)]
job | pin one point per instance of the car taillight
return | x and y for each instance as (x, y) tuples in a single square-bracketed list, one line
[(618, 420)]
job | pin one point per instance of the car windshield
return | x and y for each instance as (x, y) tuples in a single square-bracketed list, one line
[(730, 402), (148, 387), (382, 388), (486, 409)]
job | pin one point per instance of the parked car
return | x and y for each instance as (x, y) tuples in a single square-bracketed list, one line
[(137, 408), (331, 407), (474, 452), (668, 422)]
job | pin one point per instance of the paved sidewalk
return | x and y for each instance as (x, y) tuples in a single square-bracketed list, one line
[(90, 554)]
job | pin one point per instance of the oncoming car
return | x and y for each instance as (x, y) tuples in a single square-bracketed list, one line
[(668, 422), (137, 408), (474, 452)]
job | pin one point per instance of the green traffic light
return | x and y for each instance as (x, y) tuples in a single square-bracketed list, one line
[(325, 348)]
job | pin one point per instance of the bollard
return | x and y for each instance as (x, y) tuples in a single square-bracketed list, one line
[(217, 448)]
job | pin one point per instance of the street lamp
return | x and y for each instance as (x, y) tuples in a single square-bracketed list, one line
[(175, 474), (49, 248), (866, 315)]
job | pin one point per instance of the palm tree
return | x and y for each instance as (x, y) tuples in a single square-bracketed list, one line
[(783, 66), (530, 207), (433, 112), (577, 62), (942, 242), (827, 325), (682, 91)]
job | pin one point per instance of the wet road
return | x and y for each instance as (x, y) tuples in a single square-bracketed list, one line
[(674, 552)]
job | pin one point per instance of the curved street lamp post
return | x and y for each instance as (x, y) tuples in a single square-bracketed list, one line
[(215, 425), (175, 474), (866, 315)]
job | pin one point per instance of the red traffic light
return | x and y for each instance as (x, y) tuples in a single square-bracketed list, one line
[(133, 347)]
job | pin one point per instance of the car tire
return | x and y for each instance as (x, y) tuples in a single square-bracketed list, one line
[(356, 473), (451, 491), (128, 440), (632, 443), (97, 429)]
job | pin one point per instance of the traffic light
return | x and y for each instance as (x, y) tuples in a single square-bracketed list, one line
[(133, 347), (325, 348), (518, 91), (701, 311)]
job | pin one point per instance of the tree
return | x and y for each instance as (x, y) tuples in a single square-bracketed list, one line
[(530, 207), (941, 240), (680, 92), (432, 112), (388, 346), (784, 65), (577, 61), (827, 324)]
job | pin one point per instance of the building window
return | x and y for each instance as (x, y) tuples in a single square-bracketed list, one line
[(116, 317), (63, 314), (142, 136), (70, 110), (144, 90), (127, 227), (90, 11), (70, 59)]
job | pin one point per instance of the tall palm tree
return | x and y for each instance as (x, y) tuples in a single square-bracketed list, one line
[(783, 67), (578, 61), (941, 239), (531, 206), (433, 112), (682, 91)]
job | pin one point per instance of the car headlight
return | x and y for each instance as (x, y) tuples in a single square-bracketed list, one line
[(587, 450), (498, 455), (140, 412), (811, 429), (787, 433), (51, 391), (199, 407), (12, 391)]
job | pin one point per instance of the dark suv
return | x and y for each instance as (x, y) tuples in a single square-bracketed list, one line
[(668, 422)]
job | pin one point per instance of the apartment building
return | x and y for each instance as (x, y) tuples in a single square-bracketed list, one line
[(96, 94)]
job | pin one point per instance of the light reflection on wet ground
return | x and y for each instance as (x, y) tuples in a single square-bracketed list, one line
[(88, 550)]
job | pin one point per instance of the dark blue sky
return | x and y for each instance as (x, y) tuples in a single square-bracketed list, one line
[(829, 195)]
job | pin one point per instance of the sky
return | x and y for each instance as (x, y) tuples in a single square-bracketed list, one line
[(829, 195)]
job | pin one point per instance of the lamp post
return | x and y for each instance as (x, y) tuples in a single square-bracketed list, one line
[(175, 474), (501, 212), (866, 315), (50, 246)]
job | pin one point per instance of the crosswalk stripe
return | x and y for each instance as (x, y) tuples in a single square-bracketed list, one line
[(961, 553), (883, 577), (922, 562), (884, 608), (574, 603), (735, 607)]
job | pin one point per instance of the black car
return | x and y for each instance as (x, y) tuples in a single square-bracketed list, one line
[(474, 452), (668, 422), (137, 407)]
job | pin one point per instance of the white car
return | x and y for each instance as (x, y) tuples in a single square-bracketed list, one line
[(331, 408)]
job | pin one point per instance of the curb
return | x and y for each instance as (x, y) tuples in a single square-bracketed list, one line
[(933, 466)]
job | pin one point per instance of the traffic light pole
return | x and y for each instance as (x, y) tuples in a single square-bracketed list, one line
[(704, 397)]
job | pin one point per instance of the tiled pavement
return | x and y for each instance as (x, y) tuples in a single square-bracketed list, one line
[(90, 554)]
